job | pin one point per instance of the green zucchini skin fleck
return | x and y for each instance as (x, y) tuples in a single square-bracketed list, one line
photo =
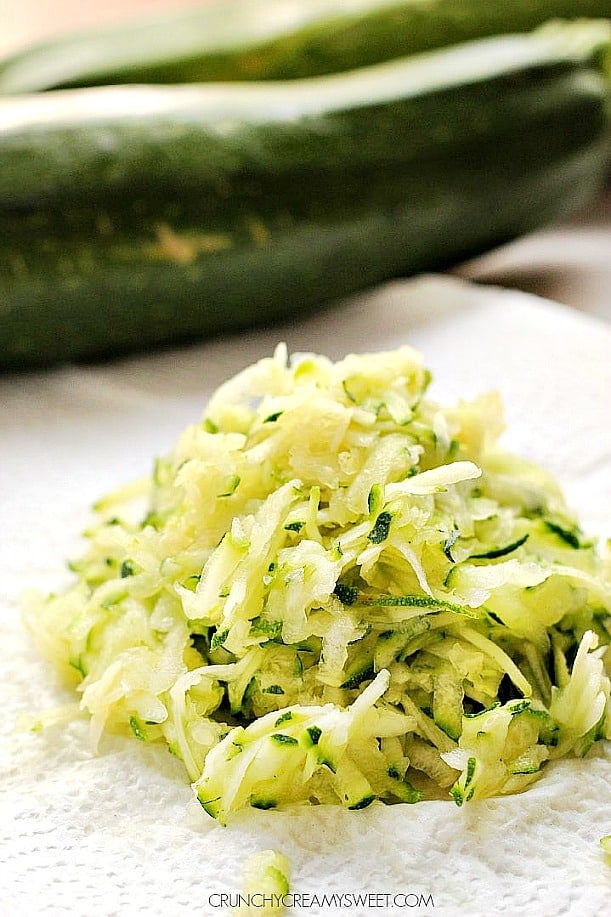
[(272, 39), (170, 214)]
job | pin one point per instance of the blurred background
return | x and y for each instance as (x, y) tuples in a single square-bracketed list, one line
[(31, 20), (570, 263)]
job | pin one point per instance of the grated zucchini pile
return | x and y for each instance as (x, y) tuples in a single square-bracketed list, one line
[(339, 592)]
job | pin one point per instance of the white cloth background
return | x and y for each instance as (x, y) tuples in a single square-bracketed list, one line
[(119, 834)]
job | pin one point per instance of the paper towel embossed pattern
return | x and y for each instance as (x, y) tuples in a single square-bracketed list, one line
[(150, 850)]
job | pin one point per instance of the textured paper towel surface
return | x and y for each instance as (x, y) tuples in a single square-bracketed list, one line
[(119, 834)]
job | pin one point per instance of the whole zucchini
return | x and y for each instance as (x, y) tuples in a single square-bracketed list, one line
[(273, 39), (137, 216)]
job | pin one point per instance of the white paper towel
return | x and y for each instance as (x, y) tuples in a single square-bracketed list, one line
[(119, 834)]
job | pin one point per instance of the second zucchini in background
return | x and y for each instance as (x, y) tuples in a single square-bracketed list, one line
[(272, 39), (131, 217)]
